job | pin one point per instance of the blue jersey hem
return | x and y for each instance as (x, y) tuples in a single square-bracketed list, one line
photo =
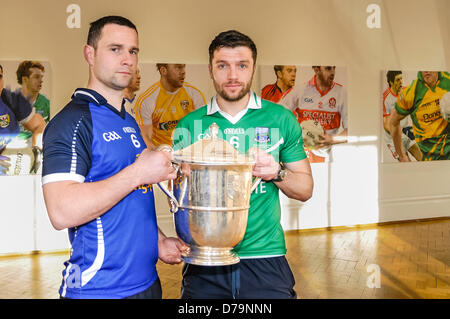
[(73, 294)]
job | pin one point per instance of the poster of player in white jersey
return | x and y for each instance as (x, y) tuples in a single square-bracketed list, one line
[(319, 101)]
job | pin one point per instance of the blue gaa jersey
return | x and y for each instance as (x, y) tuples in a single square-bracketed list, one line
[(14, 108), (115, 255)]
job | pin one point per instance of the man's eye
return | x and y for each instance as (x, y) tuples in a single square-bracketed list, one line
[(243, 66)]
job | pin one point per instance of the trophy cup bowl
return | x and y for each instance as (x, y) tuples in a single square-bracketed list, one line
[(210, 199)]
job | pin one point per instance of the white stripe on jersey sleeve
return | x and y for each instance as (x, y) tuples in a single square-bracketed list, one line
[(58, 177)]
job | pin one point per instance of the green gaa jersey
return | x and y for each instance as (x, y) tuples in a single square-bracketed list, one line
[(263, 124), (421, 101), (41, 106)]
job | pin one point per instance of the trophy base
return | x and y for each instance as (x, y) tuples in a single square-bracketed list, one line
[(210, 256)]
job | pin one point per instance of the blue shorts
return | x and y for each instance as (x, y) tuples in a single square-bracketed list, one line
[(258, 278), (152, 292)]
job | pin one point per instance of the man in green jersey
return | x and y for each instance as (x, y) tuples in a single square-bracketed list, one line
[(421, 100), (30, 76), (248, 122)]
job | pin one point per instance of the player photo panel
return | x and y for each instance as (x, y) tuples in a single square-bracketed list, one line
[(317, 96), (415, 115), (165, 93), (25, 87)]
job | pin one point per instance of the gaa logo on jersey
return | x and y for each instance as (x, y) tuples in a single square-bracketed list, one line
[(184, 104), (332, 102), (111, 136), (4, 121), (262, 135)]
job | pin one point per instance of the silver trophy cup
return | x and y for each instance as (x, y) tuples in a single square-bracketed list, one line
[(210, 199)]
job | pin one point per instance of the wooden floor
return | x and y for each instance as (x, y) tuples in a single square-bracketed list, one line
[(412, 260)]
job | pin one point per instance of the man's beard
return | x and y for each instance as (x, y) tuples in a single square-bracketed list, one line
[(175, 82), (244, 91), (326, 81)]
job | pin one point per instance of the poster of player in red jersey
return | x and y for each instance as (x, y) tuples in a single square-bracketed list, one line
[(318, 97)]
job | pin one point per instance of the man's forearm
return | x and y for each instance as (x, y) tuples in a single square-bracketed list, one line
[(147, 132), (72, 204), (341, 137), (297, 186), (396, 133), (298, 183)]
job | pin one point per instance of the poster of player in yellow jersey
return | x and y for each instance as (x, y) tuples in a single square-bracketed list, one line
[(415, 123), (168, 92)]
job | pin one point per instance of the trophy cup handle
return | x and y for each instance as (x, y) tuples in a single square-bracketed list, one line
[(173, 201), (255, 183)]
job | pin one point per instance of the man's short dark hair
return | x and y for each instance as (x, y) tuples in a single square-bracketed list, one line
[(95, 30), (161, 65), (277, 68), (232, 39), (390, 76), (24, 69)]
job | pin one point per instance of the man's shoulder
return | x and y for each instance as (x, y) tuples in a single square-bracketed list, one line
[(191, 88), (272, 107), (43, 99), (73, 113), (268, 87), (336, 88), (151, 92), (445, 81), (194, 115), (193, 92)]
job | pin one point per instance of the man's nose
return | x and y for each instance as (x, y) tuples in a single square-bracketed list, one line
[(128, 59), (232, 72)]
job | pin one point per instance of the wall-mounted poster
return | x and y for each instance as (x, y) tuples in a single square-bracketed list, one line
[(318, 97), (24, 111), (416, 111), (163, 94)]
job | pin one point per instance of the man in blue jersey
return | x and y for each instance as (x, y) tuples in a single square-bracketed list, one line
[(98, 176)]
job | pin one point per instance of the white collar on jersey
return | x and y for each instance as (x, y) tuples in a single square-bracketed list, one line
[(253, 103)]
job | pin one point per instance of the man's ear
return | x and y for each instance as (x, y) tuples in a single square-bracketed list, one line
[(279, 75), (89, 53)]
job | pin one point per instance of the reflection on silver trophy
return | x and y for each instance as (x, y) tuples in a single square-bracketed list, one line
[(210, 199)]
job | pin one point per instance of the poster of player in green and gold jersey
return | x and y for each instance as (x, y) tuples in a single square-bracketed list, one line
[(412, 116)]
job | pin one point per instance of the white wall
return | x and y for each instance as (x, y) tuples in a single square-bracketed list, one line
[(414, 35)]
